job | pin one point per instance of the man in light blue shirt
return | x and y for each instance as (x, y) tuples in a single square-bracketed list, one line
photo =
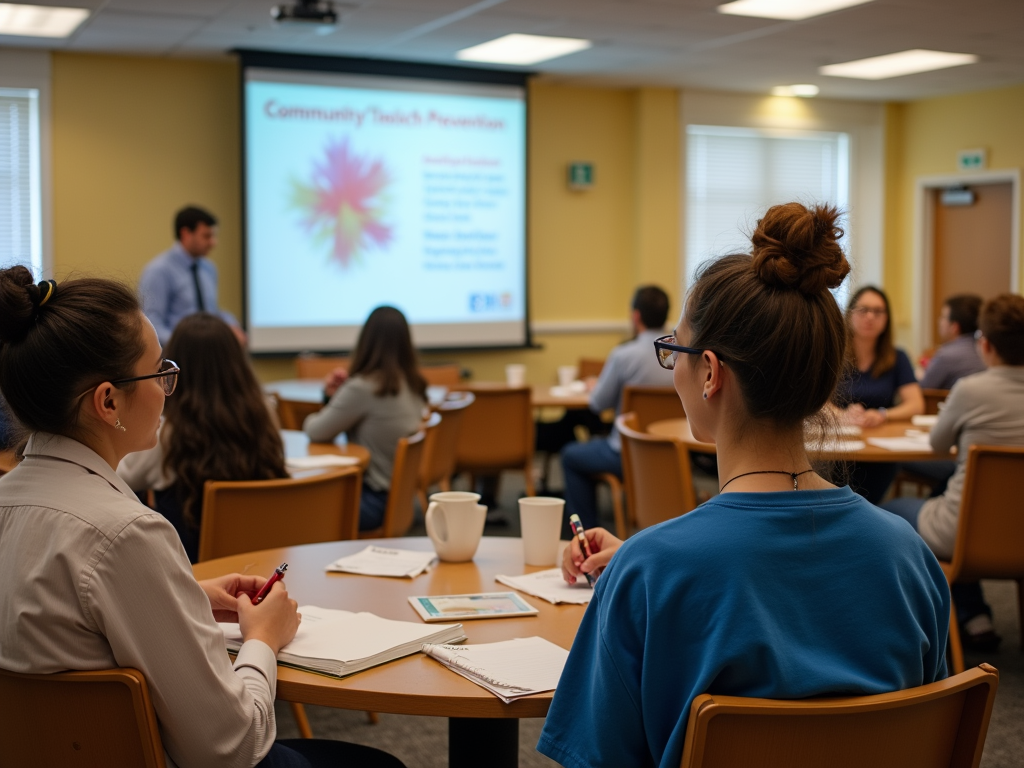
[(632, 363), (181, 280)]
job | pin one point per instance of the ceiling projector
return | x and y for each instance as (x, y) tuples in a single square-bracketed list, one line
[(311, 14)]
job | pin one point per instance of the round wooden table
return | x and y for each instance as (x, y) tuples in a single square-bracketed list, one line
[(480, 723), (679, 429), (297, 444)]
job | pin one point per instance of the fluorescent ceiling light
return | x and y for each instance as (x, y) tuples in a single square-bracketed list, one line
[(803, 90), (897, 64), (523, 49), (786, 9), (40, 20)]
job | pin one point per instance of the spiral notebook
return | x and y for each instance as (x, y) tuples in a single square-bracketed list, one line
[(510, 669)]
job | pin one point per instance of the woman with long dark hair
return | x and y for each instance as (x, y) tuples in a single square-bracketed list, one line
[(217, 426), (92, 579), (379, 400)]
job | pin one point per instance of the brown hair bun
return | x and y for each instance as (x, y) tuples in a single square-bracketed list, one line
[(19, 301), (795, 247)]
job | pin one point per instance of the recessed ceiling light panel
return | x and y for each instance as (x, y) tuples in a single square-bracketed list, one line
[(801, 90), (898, 64), (40, 20), (523, 49), (792, 10)]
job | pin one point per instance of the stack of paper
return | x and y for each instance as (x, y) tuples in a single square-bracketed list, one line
[(322, 461), (924, 420), (383, 561), (835, 446), (341, 643), (917, 442), (510, 669), (549, 585)]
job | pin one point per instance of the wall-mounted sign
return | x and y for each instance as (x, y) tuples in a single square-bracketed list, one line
[(972, 159), (581, 176)]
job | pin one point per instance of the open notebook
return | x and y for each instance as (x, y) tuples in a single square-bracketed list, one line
[(340, 643), (510, 669)]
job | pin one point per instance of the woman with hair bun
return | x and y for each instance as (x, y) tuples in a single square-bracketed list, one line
[(92, 578), (782, 586)]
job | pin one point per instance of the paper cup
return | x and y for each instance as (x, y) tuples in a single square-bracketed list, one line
[(566, 375), (541, 521), (515, 375)]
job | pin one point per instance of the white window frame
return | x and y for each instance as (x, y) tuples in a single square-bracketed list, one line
[(31, 70)]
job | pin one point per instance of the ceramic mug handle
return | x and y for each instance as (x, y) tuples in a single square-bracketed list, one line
[(438, 531)]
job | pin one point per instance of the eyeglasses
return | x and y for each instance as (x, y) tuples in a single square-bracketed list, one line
[(667, 351), (876, 311), (168, 375)]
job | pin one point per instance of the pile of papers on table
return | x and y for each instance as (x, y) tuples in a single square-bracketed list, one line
[(384, 561), (549, 585)]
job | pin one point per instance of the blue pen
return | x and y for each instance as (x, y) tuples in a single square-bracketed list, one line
[(578, 532)]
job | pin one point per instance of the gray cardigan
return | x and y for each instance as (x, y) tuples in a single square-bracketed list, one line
[(984, 409), (373, 422)]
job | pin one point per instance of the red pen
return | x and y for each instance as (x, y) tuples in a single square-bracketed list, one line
[(577, 530), (275, 577)]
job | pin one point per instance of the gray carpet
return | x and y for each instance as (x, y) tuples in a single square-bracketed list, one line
[(422, 742)]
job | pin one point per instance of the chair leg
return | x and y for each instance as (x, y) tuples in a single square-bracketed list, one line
[(1020, 610), (371, 718), (299, 713), (956, 651)]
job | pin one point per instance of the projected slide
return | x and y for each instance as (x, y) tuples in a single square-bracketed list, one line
[(366, 190)]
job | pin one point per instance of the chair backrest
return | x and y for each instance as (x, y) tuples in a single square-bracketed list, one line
[(497, 430), (250, 515), (441, 443), (940, 724), (78, 720), (291, 413), (442, 375), (656, 471), (405, 475), (651, 404), (589, 367), (311, 366), (990, 529), (932, 398)]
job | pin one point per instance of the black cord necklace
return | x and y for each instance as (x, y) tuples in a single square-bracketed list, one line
[(793, 475)]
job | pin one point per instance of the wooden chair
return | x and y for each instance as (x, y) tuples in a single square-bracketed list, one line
[(659, 484), (398, 514), (932, 399), (589, 367), (651, 404), (497, 433), (312, 366), (441, 443), (990, 528), (291, 413), (251, 515), (449, 375), (78, 720), (939, 724)]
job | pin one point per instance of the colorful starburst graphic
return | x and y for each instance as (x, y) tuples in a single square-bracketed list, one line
[(345, 202)]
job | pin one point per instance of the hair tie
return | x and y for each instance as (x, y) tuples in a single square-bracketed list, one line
[(50, 286)]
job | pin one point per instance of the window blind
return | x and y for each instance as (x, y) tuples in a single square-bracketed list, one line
[(20, 200), (733, 175)]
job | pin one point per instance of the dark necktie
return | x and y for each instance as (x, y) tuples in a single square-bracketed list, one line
[(200, 304)]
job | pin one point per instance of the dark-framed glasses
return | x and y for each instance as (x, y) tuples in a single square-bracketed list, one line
[(667, 351), (874, 311), (168, 375)]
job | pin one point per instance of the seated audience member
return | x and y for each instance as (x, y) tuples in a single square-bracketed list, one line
[(956, 358), (881, 385), (958, 355), (217, 426), (629, 363), (380, 399), (753, 593), (984, 409), (92, 578)]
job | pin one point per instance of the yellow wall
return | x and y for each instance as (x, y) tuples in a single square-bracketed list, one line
[(924, 138), (136, 138)]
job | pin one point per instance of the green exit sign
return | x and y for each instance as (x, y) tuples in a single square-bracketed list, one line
[(581, 176), (972, 159)]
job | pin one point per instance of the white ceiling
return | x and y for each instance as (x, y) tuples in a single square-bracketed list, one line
[(657, 42)]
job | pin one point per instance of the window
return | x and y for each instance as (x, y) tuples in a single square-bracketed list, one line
[(734, 174), (20, 193)]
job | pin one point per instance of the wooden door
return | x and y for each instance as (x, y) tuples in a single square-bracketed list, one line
[(972, 245)]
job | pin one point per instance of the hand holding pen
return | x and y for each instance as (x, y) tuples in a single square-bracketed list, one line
[(277, 576), (576, 561)]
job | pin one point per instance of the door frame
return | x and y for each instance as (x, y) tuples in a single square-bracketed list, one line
[(924, 243)]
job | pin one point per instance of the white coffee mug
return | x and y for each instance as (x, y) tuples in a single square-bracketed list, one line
[(515, 375), (566, 375), (541, 520), (455, 523)]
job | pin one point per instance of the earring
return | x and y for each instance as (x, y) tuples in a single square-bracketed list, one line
[(705, 395), (119, 425)]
